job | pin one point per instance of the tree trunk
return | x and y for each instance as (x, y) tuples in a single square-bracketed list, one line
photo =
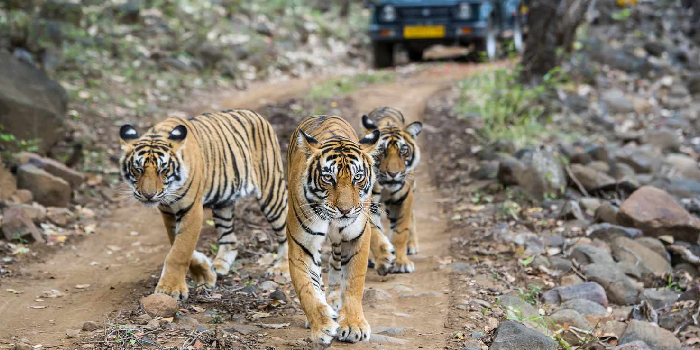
[(344, 8), (540, 54)]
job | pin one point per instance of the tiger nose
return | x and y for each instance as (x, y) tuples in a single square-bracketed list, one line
[(148, 195), (392, 173), (345, 211)]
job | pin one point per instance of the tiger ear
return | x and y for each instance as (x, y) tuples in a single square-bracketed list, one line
[(414, 128), (307, 143), (177, 136), (368, 124), (369, 143), (127, 135)]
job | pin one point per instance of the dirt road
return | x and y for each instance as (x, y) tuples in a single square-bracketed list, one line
[(118, 260)]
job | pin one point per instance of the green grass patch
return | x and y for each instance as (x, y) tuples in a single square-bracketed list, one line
[(510, 110), (345, 85)]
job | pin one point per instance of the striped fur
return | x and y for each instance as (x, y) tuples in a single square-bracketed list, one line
[(331, 175), (208, 161), (396, 159)]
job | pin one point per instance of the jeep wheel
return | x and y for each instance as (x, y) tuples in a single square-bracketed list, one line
[(415, 55), (489, 45), (383, 54), (518, 35)]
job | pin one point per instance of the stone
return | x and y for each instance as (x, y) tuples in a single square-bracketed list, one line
[(689, 268), (462, 267), (23, 346), (22, 196), (560, 264), (35, 212), (372, 296), (638, 159), (278, 295), (511, 335), (152, 325), (53, 167), (509, 169), (587, 254), (517, 308), (571, 318), (33, 106), (17, 224), (635, 345), (685, 165), (600, 166), (606, 212), (143, 319), (665, 140), (47, 190), (159, 304), (590, 178), (655, 245), (268, 286), (656, 213), (390, 331), (90, 326), (8, 184), (608, 232), (623, 171), (620, 288), (589, 205), (625, 249), (571, 279), (617, 101), (659, 298), (672, 319), (544, 173), (584, 307), (60, 216), (383, 339), (73, 333), (589, 290), (657, 338)]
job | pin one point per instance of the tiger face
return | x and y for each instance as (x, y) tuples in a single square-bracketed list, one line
[(397, 154), (152, 165), (339, 177)]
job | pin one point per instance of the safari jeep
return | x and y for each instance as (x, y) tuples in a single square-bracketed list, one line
[(419, 24)]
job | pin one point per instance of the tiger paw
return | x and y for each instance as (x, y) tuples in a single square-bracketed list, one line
[(333, 298), (281, 268), (385, 262), (201, 270), (353, 330), (221, 267), (412, 248), (324, 332), (178, 290), (403, 265)]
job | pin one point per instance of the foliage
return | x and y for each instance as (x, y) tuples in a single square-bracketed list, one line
[(510, 110), (9, 143), (346, 85), (531, 295)]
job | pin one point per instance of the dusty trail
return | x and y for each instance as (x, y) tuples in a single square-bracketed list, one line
[(115, 262)]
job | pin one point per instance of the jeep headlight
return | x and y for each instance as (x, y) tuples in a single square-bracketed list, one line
[(464, 10), (388, 13)]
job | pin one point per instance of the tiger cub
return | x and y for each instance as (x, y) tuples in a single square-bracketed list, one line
[(331, 174), (396, 158), (182, 166)]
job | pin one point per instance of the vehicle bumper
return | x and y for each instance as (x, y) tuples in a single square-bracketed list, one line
[(454, 31)]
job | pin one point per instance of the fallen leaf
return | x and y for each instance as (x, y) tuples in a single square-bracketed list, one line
[(273, 325), (51, 294), (13, 291), (37, 307), (260, 315), (82, 286)]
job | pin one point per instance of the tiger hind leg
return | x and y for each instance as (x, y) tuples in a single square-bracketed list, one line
[(228, 244), (412, 245), (276, 213)]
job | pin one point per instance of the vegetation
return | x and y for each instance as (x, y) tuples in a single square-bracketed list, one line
[(348, 84)]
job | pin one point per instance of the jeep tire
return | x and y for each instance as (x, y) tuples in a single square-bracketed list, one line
[(415, 55), (383, 54)]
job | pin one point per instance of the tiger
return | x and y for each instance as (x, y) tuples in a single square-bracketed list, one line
[(182, 166), (331, 175), (396, 159)]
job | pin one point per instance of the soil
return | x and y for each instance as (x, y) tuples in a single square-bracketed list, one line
[(122, 260)]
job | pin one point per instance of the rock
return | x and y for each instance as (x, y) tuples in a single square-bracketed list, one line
[(600, 166), (606, 212), (620, 288), (53, 167), (590, 178), (639, 160), (509, 170), (635, 345), (383, 339), (617, 101), (48, 190), (681, 188), (659, 298), (685, 165), (72, 333), (517, 308), (34, 106), (586, 254), (34, 212), (654, 48), (17, 224), (694, 84), (278, 295), (23, 346), (390, 331), (143, 319), (488, 171), (571, 279), (159, 305), (655, 245), (589, 205), (625, 249), (589, 290), (90, 326), (608, 232), (560, 264), (372, 296), (665, 140), (623, 171), (657, 214), (570, 317), (8, 184), (511, 335), (689, 268), (462, 267), (268, 286), (571, 211), (544, 173), (22, 196), (60, 216), (657, 338), (152, 325), (584, 307)]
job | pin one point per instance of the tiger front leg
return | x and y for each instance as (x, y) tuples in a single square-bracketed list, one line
[(353, 325), (200, 265), (382, 251), (401, 218), (172, 280), (412, 245), (334, 272), (305, 271)]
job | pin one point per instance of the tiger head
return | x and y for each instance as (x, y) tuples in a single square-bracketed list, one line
[(152, 164), (397, 153), (339, 177)]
